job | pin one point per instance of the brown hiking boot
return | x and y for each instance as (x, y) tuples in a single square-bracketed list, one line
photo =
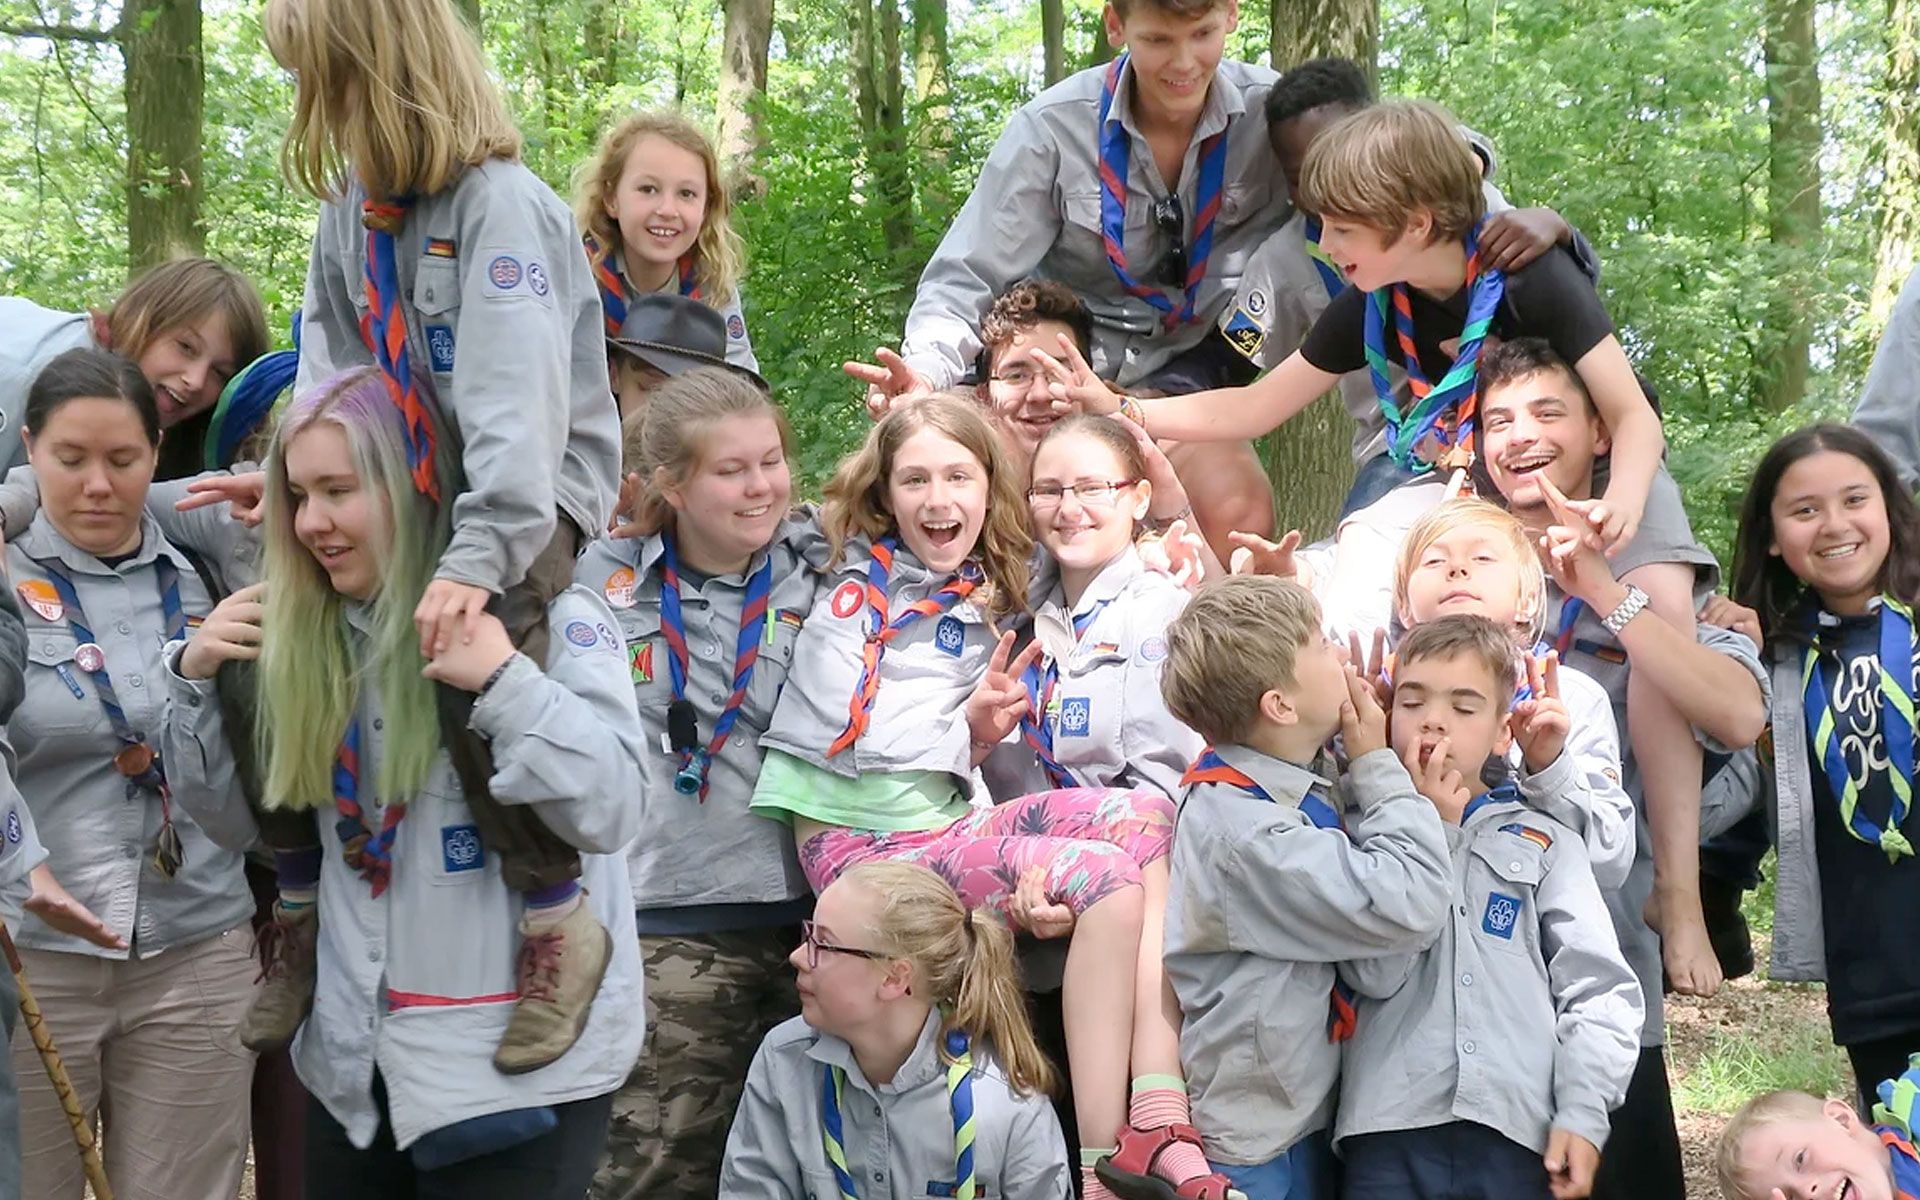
[(560, 972), (288, 949)]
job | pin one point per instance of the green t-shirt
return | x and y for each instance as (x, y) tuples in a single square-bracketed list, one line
[(887, 801)]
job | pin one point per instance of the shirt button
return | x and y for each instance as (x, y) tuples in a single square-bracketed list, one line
[(1514, 866), (1466, 980), (125, 628), (1463, 910), (710, 650), (373, 956), (134, 681), (379, 724), (720, 698), (1467, 1048), (879, 1176)]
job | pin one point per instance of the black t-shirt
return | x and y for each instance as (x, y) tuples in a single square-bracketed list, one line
[(1873, 974), (1550, 298)]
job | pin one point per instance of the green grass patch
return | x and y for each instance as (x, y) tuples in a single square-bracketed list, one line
[(1738, 1064)]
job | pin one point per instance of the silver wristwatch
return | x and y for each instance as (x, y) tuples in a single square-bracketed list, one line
[(1628, 609)]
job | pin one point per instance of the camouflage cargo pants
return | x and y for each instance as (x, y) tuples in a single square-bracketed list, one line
[(710, 999)]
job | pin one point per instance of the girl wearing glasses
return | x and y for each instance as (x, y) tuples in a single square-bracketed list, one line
[(911, 1070), (899, 686), (1095, 717)]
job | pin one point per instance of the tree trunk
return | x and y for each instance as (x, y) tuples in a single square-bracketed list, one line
[(1053, 37), (743, 77), (165, 95), (1306, 29), (470, 9), (1310, 458), (1793, 197), (601, 33), (879, 92), (1900, 185), (1102, 51), (933, 112)]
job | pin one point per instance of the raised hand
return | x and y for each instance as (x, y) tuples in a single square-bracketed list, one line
[(1606, 524), (246, 493), (1574, 550), (1000, 699), (1255, 555), (1517, 236), (889, 381), (1541, 722), (626, 510), (1074, 386), (230, 632), (1371, 663), (1730, 614), (1438, 782), (1179, 554), (1363, 723)]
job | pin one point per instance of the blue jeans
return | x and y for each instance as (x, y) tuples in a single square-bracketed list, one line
[(1304, 1172), (1377, 476)]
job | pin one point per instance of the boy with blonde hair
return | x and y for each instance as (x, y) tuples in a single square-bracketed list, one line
[(1269, 893), (1788, 1145)]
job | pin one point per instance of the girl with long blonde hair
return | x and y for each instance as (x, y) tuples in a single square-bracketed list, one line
[(901, 684), (657, 216), (912, 1001), (443, 261), (417, 944)]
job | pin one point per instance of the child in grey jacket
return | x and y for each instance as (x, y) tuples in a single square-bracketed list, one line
[(1268, 892), (1486, 1065)]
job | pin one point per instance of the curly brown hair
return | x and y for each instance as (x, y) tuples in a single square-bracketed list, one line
[(1025, 305)]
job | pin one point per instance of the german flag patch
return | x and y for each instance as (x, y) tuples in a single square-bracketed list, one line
[(440, 248), (1528, 833)]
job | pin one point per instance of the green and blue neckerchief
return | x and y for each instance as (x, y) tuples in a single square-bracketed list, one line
[(1893, 1121), (833, 1083), (1896, 689)]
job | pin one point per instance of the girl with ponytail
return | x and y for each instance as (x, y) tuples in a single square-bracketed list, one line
[(911, 1069)]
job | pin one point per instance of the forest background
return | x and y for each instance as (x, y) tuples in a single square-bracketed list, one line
[(1748, 169)]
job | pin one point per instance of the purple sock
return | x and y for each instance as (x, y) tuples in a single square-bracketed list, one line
[(550, 897), (298, 869)]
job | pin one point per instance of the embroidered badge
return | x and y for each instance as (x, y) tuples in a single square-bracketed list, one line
[(642, 663), (736, 328), (1528, 833), (581, 634), (14, 832), (1612, 776), (38, 595), (440, 347), (440, 247), (950, 635), (1099, 648), (537, 279), (619, 588), (1257, 302), (792, 618), (845, 602), (194, 622), (460, 848), (1076, 716), (1243, 333), (1153, 650), (1503, 913), (504, 272)]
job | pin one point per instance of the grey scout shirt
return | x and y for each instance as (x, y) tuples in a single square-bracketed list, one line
[(1522, 1016), (918, 721), (30, 338), (899, 1134), (692, 851), (1035, 211), (1889, 408), (502, 309), (1262, 906), (418, 983), (1111, 728), (100, 830)]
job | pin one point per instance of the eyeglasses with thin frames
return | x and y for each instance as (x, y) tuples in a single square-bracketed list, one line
[(1093, 493), (810, 938), (1171, 220)]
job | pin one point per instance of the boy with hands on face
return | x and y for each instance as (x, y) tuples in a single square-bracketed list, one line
[(1485, 1065)]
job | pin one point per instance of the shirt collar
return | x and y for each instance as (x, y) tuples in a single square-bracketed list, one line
[(1284, 782), (1112, 580), (922, 1064), (645, 553), (42, 540)]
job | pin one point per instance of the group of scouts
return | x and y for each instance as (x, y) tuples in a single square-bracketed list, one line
[(453, 760)]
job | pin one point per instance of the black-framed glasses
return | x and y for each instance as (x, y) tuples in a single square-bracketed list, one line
[(1092, 493), (810, 938), (1171, 220)]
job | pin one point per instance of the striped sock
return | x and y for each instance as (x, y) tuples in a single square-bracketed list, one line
[(1162, 1100), (1091, 1188)]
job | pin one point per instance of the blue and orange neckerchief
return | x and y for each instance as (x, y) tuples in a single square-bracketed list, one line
[(613, 286), (1896, 688), (1116, 151), (384, 329), (881, 630), (673, 629), (1342, 1015)]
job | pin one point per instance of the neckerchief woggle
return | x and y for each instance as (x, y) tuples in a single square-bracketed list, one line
[(1036, 728), (384, 329), (367, 852), (694, 761), (880, 631), (1116, 152), (137, 760), (613, 287), (1442, 415), (1330, 277), (1893, 1121), (1342, 1017), (1896, 727), (833, 1082)]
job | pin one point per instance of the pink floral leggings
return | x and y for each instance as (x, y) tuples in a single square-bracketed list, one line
[(1091, 841)]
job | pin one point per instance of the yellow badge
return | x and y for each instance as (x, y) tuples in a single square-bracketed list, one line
[(619, 588), (39, 595)]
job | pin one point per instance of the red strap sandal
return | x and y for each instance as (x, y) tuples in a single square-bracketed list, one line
[(1129, 1169)]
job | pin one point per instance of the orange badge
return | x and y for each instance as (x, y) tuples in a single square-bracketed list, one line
[(38, 595), (619, 589)]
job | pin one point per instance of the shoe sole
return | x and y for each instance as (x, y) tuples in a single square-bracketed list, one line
[(274, 1045), (579, 1025)]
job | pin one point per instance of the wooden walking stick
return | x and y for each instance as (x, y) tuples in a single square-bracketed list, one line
[(57, 1072)]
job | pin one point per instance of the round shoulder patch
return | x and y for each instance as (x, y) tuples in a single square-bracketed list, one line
[(505, 272), (736, 328), (581, 634), (846, 599), (1257, 302), (1153, 649), (537, 279)]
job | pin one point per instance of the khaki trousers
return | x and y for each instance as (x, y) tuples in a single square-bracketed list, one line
[(152, 1046)]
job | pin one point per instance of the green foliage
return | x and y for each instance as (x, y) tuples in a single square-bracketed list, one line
[(1736, 1065)]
